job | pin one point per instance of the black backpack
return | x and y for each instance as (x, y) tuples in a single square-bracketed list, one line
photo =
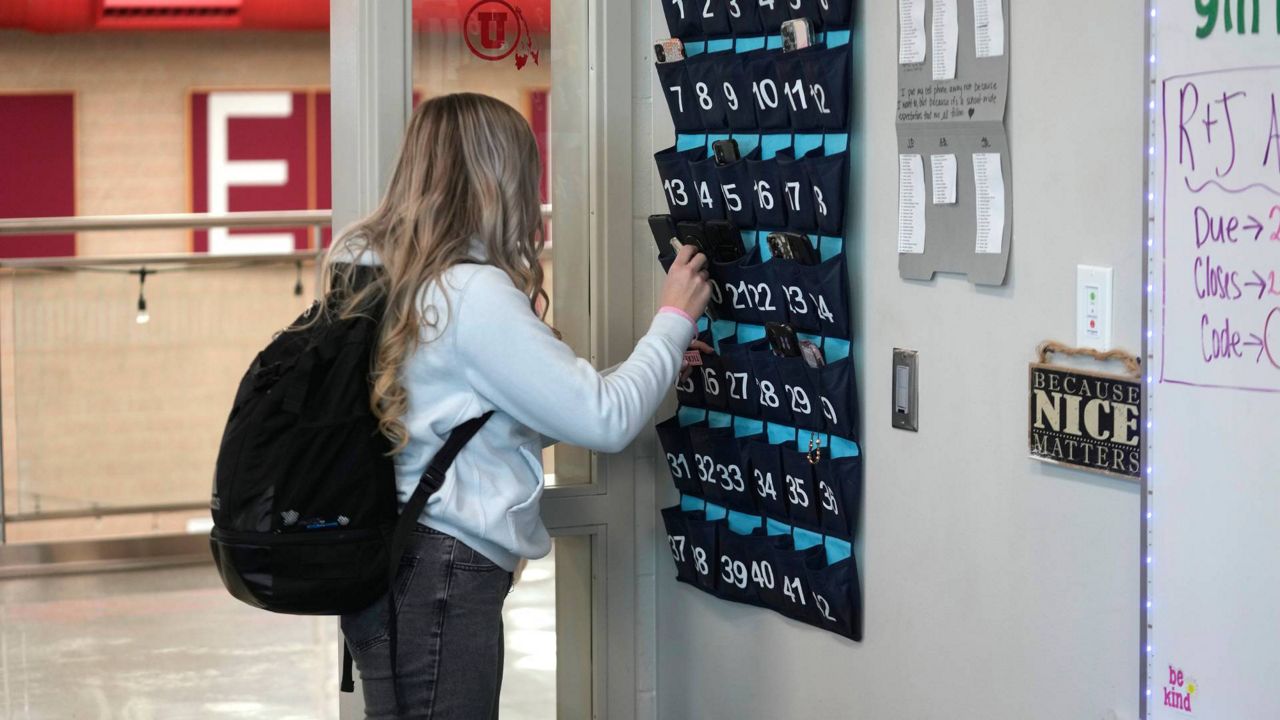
[(304, 494)]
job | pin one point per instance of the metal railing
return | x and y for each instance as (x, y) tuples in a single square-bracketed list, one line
[(174, 221), (169, 221)]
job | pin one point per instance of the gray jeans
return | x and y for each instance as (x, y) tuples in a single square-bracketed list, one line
[(449, 611)]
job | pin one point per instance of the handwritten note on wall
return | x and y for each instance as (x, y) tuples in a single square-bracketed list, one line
[(1221, 277)]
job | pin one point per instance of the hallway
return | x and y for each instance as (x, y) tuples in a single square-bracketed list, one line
[(172, 644)]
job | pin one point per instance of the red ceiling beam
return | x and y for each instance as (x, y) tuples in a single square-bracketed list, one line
[(70, 16)]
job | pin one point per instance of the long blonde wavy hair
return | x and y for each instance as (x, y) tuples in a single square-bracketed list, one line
[(468, 170)]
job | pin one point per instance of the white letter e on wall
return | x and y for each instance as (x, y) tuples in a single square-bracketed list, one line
[(223, 172)]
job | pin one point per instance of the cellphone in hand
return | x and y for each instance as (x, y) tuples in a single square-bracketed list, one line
[(723, 241), (693, 232), (796, 34), (668, 51), (664, 232), (792, 246), (726, 151)]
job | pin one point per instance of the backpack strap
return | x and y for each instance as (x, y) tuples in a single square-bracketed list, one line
[(432, 479)]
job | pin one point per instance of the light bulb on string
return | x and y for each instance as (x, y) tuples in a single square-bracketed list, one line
[(143, 316)]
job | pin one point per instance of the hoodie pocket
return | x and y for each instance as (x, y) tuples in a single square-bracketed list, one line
[(524, 519)]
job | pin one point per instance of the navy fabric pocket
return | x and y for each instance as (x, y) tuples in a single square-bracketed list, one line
[(706, 189), (721, 469), (715, 391), (765, 465), (816, 296), (744, 17), (689, 390), (795, 597), (734, 86), (827, 179), (677, 181), (839, 398), (826, 76), (766, 89), (684, 21), (679, 455), (736, 553), (797, 191), (766, 371), (772, 14), (701, 536), (808, 10), (839, 483), (738, 193), (802, 496), (714, 16), (766, 185), (674, 78), (678, 540), (835, 592), (804, 111), (739, 379), (836, 14), (762, 570), (801, 396), (707, 97)]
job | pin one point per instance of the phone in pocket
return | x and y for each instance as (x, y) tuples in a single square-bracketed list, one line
[(726, 151), (664, 231), (792, 246), (724, 242), (782, 338), (796, 34), (668, 51), (812, 354)]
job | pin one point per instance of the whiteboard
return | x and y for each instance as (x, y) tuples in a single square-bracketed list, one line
[(1212, 516)]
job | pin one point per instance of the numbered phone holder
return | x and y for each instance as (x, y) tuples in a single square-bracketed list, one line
[(764, 448)]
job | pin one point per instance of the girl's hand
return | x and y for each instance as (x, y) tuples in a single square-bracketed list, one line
[(688, 286)]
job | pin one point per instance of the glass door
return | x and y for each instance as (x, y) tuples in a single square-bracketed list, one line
[(545, 58)]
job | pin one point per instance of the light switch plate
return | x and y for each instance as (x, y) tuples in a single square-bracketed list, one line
[(1093, 307), (904, 390)]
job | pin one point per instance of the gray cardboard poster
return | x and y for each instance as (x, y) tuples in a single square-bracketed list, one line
[(952, 130)]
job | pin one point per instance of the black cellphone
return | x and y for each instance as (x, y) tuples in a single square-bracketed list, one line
[(692, 232), (723, 241), (726, 151), (793, 246), (664, 231), (782, 338)]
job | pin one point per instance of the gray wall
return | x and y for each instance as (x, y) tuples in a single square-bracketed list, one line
[(995, 587)]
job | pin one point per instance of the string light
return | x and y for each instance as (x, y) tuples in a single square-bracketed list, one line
[(1147, 498), (143, 317)]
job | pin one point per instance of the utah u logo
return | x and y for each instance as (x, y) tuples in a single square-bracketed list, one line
[(485, 30), (493, 30)]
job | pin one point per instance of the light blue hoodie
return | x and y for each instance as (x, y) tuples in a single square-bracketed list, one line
[(488, 351)]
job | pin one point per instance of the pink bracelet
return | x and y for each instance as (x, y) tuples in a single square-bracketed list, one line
[(678, 311)]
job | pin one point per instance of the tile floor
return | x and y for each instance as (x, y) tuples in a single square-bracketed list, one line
[(171, 644)]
